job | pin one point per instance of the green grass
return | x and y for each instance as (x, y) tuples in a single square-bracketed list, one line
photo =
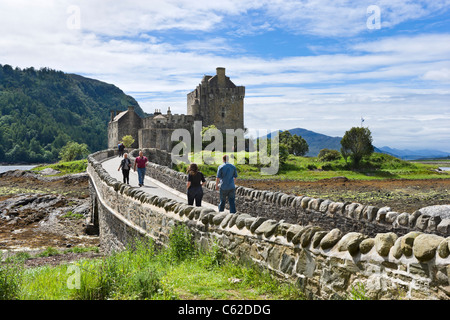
[(378, 166), (180, 271), (70, 167)]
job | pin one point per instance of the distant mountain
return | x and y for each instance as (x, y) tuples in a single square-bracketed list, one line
[(318, 141), (41, 110), (415, 154)]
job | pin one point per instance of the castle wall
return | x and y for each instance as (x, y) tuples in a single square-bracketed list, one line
[(221, 103)]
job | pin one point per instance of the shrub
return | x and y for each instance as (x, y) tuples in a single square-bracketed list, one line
[(181, 245), (329, 155), (10, 281)]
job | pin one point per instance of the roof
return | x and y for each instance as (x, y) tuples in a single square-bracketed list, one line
[(120, 115)]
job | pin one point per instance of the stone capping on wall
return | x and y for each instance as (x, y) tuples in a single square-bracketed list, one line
[(417, 246), (381, 218)]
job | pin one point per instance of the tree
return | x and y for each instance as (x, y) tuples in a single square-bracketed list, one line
[(127, 141), (328, 155), (296, 144), (73, 151), (357, 144)]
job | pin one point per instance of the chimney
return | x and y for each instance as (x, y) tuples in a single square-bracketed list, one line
[(221, 77)]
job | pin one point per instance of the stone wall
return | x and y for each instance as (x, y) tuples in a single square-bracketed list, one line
[(326, 263), (304, 210)]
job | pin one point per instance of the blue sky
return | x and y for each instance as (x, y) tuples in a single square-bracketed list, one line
[(319, 65)]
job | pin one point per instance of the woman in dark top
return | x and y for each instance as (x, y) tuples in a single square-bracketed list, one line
[(194, 185)]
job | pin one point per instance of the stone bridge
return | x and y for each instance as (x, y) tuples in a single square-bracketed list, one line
[(325, 247)]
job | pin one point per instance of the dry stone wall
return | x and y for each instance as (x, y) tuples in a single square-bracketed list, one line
[(325, 262)]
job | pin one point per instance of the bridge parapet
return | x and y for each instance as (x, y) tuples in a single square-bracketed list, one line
[(324, 262)]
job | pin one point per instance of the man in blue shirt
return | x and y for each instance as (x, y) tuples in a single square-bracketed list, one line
[(226, 175)]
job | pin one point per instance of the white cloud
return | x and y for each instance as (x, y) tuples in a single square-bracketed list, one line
[(398, 83)]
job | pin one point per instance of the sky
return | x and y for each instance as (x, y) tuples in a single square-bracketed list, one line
[(319, 65)]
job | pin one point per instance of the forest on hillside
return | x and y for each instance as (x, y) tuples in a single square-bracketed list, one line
[(42, 110)]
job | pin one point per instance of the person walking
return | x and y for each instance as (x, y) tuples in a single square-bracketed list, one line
[(226, 178), (195, 181), (121, 148), (125, 165), (140, 162)]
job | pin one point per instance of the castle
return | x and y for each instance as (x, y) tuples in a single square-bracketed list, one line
[(216, 101)]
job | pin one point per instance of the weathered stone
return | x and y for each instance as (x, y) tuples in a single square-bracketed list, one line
[(366, 245), (358, 213), (258, 221), (318, 236), (413, 218), (305, 202), (381, 214), (370, 213), (444, 248), (350, 209), (403, 219), (249, 221), (384, 242), (350, 242), (324, 205), (315, 204), (240, 220), (425, 246), (397, 249), (226, 220), (391, 216), (292, 231), (407, 242), (268, 228), (282, 229), (218, 218), (442, 211), (297, 237), (297, 202), (306, 237), (422, 222), (433, 222), (232, 220), (335, 207), (330, 239), (444, 227)]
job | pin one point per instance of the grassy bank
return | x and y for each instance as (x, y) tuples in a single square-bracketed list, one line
[(180, 271), (378, 166), (70, 167)]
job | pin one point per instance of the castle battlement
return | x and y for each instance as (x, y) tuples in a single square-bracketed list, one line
[(215, 101)]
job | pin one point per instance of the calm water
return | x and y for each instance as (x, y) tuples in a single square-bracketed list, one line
[(12, 168), (445, 168)]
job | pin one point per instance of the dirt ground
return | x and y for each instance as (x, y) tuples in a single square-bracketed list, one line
[(400, 195), (36, 213)]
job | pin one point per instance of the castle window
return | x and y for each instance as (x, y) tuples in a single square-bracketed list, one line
[(223, 112)]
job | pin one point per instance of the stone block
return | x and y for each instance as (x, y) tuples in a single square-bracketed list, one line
[(425, 246), (330, 239), (384, 243)]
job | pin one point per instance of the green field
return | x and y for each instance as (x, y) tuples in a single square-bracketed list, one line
[(378, 166)]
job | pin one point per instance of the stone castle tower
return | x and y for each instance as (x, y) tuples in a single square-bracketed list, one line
[(216, 101)]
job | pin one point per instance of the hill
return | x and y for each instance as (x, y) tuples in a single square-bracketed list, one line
[(317, 141), (41, 110), (406, 154)]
